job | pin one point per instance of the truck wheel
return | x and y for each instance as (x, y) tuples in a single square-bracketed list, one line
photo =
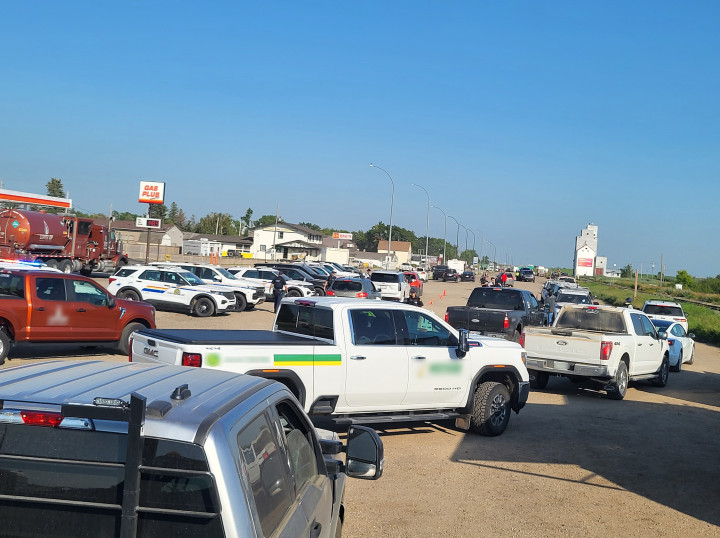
[(86, 270), (678, 366), (66, 266), (692, 356), (240, 302), (662, 377), (4, 346), (124, 342), (129, 295), (320, 291), (294, 293), (620, 385), (52, 264), (204, 307), (491, 409), (538, 380), (516, 337)]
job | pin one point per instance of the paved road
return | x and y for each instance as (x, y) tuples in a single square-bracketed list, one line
[(572, 463)]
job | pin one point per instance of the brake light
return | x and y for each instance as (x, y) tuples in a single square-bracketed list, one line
[(671, 342), (522, 339), (41, 418), (361, 294), (191, 359), (506, 322), (605, 350), (130, 349), (330, 293), (447, 315), (111, 280)]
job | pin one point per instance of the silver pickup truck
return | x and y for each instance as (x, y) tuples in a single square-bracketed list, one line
[(115, 449)]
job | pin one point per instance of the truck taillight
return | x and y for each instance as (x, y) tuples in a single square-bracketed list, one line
[(111, 280), (361, 295), (330, 293), (605, 350), (447, 315), (506, 322), (192, 359), (671, 342), (41, 418), (522, 339)]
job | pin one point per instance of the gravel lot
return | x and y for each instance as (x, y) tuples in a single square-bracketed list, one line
[(571, 463)]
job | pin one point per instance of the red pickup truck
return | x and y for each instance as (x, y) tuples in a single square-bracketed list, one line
[(44, 306)]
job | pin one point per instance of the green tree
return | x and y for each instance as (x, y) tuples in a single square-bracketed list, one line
[(157, 211), (266, 220), (310, 225), (54, 188), (684, 278), (173, 213), (217, 224), (627, 271), (246, 221), (125, 215)]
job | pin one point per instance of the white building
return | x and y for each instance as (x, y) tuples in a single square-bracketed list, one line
[(586, 245), (286, 241)]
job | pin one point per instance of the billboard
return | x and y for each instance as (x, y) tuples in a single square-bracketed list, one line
[(340, 235), (142, 222), (152, 192), (585, 262)]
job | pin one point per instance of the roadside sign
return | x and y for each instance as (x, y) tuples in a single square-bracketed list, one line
[(143, 222), (152, 192)]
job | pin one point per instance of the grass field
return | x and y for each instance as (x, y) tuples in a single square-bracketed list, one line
[(704, 322)]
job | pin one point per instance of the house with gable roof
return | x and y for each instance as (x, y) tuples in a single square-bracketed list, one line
[(286, 241)]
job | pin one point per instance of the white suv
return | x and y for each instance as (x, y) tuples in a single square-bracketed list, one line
[(263, 276), (248, 294), (666, 310), (170, 288), (392, 285)]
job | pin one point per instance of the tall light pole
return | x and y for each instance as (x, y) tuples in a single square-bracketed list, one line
[(444, 235), (392, 203), (427, 222), (457, 236), (476, 254)]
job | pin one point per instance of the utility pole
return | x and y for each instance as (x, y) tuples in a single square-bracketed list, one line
[(661, 269)]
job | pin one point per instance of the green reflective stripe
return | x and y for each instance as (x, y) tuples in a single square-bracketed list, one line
[(307, 359)]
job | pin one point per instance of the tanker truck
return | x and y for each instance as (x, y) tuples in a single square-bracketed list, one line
[(65, 242)]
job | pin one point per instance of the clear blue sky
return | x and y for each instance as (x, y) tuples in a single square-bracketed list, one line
[(524, 120)]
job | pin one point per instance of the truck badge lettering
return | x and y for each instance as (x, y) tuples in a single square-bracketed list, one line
[(561, 343), (151, 352), (47, 229)]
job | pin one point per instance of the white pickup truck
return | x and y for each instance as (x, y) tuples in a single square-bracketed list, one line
[(352, 361), (609, 345)]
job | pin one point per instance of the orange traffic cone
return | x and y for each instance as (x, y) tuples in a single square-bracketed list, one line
[(444, 293), (430, 301)]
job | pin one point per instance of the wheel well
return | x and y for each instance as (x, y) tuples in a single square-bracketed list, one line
[(288, 378), (6, 326), (203, 296), (626, 359), (141, 321)]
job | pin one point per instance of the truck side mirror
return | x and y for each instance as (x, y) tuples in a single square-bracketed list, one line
[(365, 454), (463, 343), (111, 302)]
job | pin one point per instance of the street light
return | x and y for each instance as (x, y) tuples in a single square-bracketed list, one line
[(468, 230), (427, 223), (444, 235), (457, 236), (392, 202)]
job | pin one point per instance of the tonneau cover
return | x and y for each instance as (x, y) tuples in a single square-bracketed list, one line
[(228, 337)]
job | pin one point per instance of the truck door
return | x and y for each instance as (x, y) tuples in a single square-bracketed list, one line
[(535, 314), (436, 375), (645, 347), (93, 319), (377, 366), (50, 318)]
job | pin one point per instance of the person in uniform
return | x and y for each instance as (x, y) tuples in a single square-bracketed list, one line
[(279, 288), (413, 299)]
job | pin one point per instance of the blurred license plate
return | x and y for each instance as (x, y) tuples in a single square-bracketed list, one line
[(559, 365)]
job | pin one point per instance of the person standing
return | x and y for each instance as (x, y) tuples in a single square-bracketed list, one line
[(551, 308), (329, 282), (503, 279), (413, 299), (279, 288)]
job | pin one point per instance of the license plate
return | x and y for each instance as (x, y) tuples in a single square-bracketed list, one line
[(559, 365)]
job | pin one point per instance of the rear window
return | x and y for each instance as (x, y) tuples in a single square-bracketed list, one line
[(663, 310), (347, 285), (306, 320), (591, 319), (52, 480), (124, 272), (385, 277), (573, 298), (12, 285), (498, 299)]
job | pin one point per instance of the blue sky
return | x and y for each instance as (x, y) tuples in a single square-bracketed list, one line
[(523, 120)]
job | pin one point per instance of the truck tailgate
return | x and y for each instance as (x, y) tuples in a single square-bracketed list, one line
[(480, 320), (577, 346)]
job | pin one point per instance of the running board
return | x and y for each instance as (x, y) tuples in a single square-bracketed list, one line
[(345, 420)]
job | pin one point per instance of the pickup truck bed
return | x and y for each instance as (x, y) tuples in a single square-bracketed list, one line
[(208, 337)]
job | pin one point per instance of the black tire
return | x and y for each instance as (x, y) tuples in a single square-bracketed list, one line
[(4, 346), (52, 264), (320, 291), (124, 342), (294, 293), (692, 356), (662, 377), (203, 307), (491, 409), (240, 302), (516, 337), (86, 270), (129, 295), (66, 266), (678, 366), (538, 380), (620, 384)]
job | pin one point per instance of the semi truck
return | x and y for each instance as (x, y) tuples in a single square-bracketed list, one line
[(66, 242)]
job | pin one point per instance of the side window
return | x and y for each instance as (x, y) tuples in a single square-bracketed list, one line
[(206, 274), (12, 285), (51, 289), (266, 472), (373, 327), (153, 275), (637, 324), (533, 303), (648, 327), (677, 330), (87, 292), (300, 444), (251, 273), (425, 331), (171, 278)]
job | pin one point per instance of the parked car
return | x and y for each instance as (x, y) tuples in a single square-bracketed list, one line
[(667, 311), (360, 288), (467, 276), (392, 285), (265, 275), (414, 281), (681, 343), (168, 288), (526, 275), (438, 271), (116, 449), (450, 275), (299, 272), (422, 273)]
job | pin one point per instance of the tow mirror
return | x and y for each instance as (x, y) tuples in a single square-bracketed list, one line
[(111, 301), (463, 343), (365, 454)]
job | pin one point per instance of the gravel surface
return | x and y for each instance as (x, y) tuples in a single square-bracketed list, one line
[(571, 463)]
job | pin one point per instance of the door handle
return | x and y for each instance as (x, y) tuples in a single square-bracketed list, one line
[(639, 345), (80, 310), (315, 531), (40, 309), (419, 358), (357, 358)]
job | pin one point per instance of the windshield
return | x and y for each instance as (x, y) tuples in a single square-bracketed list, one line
[(225, 273), (573, 298), (191, 278)]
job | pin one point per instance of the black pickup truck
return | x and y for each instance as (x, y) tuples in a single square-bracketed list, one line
[(499, 312)]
